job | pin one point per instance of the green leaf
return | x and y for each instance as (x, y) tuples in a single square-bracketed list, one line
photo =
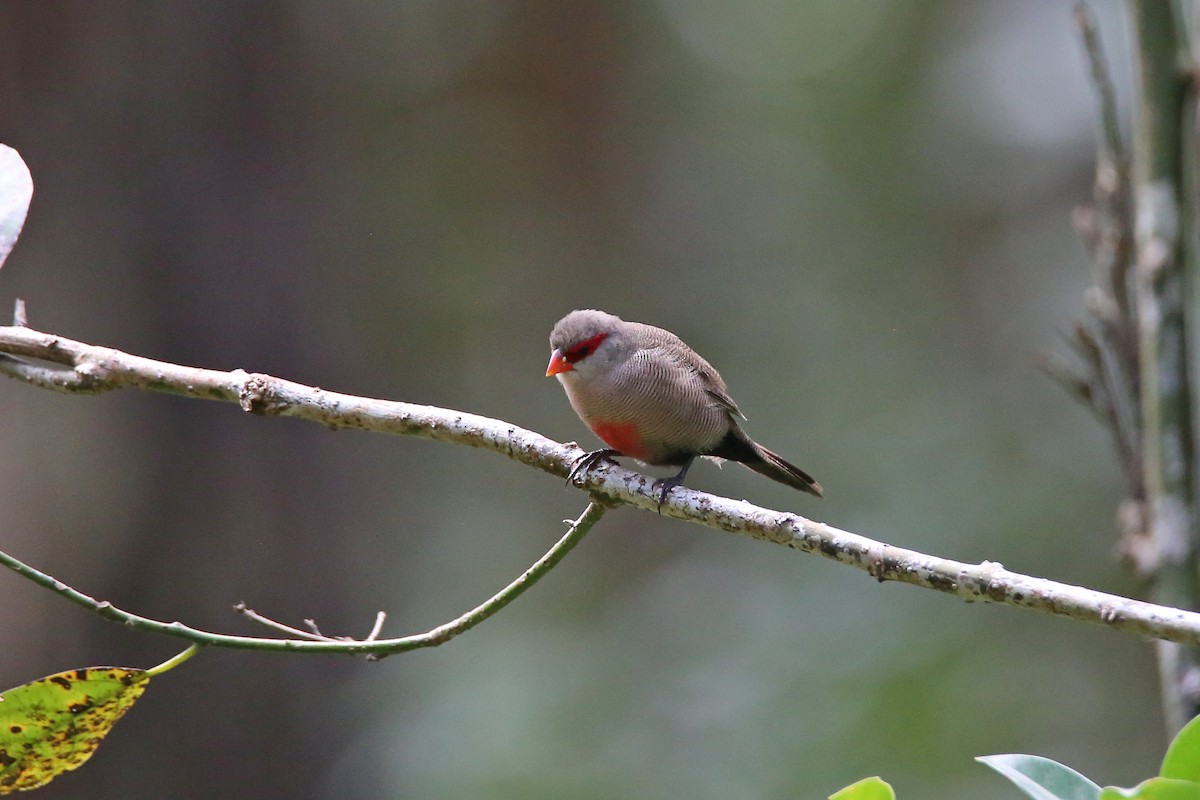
[(1042, 778), (1183, 754), (866, 789), (54, 724), (1155, 789), (16, 190)]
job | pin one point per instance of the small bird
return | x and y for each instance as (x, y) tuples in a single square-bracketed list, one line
[(649, 396)]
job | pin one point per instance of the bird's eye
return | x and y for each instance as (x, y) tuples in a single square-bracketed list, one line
[(584, 348)]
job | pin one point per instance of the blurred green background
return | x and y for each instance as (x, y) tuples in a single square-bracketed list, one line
[(858, 211)]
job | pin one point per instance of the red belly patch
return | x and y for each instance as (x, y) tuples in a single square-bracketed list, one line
[(621, 436)]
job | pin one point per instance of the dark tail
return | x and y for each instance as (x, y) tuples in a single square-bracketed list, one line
[(764, 462)]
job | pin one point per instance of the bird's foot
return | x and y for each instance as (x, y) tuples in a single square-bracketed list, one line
[(589, 460), (665, 485)]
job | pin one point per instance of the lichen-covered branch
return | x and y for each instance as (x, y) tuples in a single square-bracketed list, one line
[(73, 366)]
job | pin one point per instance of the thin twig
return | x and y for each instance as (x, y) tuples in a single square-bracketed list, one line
[(313, 635), (314, 632), (377, 628), (1106, 342), (374, 647), (1108, 136)]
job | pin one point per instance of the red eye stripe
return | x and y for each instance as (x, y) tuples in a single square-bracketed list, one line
[(584, 348)]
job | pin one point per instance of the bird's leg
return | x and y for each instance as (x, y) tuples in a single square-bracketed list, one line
[(668, 484), (588, 460)]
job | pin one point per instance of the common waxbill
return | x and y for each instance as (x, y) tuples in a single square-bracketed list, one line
[(649, 396)]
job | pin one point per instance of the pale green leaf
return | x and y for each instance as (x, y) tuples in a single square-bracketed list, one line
[(1042, 778)]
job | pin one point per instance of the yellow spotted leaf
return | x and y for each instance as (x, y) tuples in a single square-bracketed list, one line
[(54, 724)]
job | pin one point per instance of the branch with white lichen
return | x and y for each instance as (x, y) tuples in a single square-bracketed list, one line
[(53, 362)]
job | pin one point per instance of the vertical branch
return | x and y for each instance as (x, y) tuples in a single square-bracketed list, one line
[(1160, 294), (1106, 342)]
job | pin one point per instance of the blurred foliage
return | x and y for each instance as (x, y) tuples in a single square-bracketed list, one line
[(866, 789), (859, 212)]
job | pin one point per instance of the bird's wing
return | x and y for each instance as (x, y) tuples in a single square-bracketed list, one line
[(722, 399), (689, 359)]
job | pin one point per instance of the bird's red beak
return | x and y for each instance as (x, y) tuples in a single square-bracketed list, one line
[(557, 364)]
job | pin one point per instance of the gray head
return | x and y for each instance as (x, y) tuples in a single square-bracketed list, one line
[(589, 341)]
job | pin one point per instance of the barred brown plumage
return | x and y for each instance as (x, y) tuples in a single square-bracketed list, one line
[(647, 395)]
